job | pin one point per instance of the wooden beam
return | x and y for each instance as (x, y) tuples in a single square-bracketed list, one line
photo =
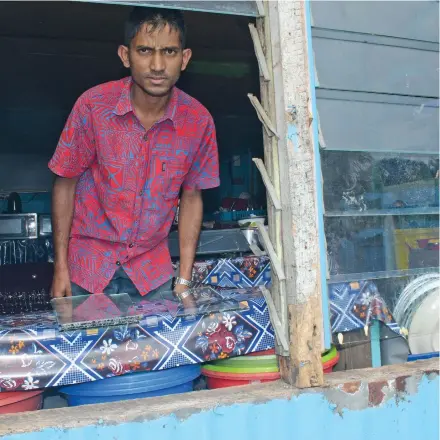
[(267, 183), (274, 318), (277, 219), (290, 79), (260, 7), (264, 71), (275, 261), (262, 116)]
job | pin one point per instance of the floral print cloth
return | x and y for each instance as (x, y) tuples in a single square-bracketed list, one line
[(36, 355), (355, 305)]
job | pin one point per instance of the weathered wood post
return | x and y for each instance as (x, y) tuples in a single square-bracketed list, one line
[(287, 98)]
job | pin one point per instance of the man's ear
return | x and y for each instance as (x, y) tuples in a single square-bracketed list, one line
[(187, 53), (123, 55)]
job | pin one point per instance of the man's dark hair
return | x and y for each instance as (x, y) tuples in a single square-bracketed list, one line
[(157, 18)]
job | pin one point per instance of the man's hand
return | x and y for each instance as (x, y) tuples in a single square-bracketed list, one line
[(61, 284), (189, 302)]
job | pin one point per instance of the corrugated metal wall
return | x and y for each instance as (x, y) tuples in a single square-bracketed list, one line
[(377, 71)]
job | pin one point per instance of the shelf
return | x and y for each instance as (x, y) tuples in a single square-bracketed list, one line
[(347, 278), (384, 212)]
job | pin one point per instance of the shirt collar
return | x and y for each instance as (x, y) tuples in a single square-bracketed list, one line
[(123, 106)]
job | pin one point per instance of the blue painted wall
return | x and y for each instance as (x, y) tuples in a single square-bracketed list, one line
[(307, 416)]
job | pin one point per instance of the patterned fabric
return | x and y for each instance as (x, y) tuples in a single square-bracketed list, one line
[(243, 272), (130, 180), (354, 305), (35, 355)]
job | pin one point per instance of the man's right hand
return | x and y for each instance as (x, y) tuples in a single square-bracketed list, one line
[(61, 284)]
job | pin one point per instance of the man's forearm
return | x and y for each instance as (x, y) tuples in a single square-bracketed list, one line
[(63, 199), (190, 223)]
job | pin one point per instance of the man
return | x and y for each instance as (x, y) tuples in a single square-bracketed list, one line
[(128, 148)]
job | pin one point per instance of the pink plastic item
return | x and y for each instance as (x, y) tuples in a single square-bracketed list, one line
[(20, 401)]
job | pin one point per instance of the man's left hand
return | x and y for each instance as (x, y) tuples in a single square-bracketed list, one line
[(189, 302)]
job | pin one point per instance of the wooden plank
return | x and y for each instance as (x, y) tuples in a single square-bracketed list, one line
[(264, 71), (275, 261), (288, 28), (260, 8), (269, 99), (267, 183), (262, 116), (274, 318), (354, 352)]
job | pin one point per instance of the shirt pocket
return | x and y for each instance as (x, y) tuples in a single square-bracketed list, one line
[(170, 172)]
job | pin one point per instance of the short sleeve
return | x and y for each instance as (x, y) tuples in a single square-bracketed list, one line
[(204, 171), (75, 151)]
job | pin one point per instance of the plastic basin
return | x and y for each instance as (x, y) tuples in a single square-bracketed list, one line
[(133, 386), (216, 379), (262, 353), (245, 365), (418, 357), (20, 401)]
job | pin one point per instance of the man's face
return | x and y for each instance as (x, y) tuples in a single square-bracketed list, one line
[(155, 59)]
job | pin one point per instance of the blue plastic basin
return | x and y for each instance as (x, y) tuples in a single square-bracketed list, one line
[(419, 357), (133, 386)]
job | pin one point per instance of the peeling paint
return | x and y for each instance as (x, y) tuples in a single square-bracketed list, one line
[(292, 136)]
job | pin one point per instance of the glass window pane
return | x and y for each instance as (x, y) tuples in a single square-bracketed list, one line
[(371, 247), (379, 182)]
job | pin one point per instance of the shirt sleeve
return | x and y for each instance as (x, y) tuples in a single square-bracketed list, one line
[(75, 151), (204, 171)]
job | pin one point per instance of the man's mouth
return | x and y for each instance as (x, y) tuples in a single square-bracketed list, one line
[(157, 80)]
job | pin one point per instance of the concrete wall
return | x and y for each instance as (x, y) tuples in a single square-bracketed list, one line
[(392, 403), (377, 72)]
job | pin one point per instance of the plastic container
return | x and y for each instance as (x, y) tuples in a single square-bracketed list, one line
[(133, 386), (19, 401), (329, 359), (245, 365), (262, 353), (419, 357), (216, 379)]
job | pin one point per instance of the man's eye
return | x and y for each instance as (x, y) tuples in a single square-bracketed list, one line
[(170, 51), (144, 50)]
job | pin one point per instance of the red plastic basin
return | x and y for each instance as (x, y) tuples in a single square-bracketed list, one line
[(20, 401), (263, 353), (217, 379), (328, 366)]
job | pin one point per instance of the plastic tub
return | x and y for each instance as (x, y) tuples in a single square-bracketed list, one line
[(133, 386), (215, 379), (262, 353), (245, 365), (20, 401), (330, 359), (419, 357)]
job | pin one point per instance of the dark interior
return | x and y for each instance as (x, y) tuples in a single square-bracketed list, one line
[(54, 51)]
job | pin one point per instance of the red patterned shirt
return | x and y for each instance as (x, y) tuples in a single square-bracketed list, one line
[(129, 183)]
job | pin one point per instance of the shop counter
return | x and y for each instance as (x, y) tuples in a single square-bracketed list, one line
[(35, 354)]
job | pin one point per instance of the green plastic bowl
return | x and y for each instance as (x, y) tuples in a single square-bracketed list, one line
[(242, 365), (329, 354)]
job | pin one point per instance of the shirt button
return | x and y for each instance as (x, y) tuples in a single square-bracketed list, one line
[(141, 192), (145, 137), (130, 245), (118, 263)]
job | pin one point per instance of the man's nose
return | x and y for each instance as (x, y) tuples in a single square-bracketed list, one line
[(157, 62)]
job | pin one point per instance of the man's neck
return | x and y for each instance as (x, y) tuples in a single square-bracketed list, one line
[(148, 106)]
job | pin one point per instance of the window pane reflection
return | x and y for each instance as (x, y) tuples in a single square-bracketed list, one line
[(366, 244), (359, 181)]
